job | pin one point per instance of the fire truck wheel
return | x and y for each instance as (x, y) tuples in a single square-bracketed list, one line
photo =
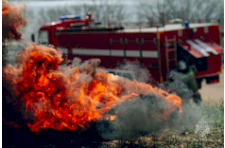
[(197, 98)]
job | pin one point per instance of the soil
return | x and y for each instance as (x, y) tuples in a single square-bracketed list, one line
[(213, 93)]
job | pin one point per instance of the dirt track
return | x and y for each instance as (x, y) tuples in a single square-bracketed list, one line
[(213, 93)]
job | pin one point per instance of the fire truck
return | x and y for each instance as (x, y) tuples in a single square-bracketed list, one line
[(158, 46)]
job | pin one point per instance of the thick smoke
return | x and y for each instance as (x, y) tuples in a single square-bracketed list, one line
[(177, 85), (191, 112), (141, 74), (145, 115)]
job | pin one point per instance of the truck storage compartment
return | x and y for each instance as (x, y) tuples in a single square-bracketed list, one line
[(201, 53), (199, 63)]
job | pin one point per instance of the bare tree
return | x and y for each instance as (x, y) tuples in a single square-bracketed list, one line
[(183, 9), (103, 11), (106, 11), (52, 14), (39, 16)]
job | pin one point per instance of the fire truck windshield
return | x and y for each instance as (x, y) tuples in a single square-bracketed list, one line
[(43, 37)]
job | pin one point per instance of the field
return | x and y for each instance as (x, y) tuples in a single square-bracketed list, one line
[(209, 132)]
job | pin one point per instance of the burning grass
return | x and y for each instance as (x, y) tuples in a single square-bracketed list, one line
[(55, 99), (59, 97)]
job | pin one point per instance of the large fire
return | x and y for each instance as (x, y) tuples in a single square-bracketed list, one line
[(61, 97), (72, 97)]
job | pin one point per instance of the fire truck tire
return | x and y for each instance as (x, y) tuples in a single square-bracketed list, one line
[(197, 98)]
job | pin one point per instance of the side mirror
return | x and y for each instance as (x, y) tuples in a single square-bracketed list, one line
[(32, 37)]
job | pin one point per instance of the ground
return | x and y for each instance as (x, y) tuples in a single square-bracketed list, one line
[(213, 93)]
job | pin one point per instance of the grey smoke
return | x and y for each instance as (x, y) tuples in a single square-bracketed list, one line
[(11, 50), (145, 115), (141, 74)]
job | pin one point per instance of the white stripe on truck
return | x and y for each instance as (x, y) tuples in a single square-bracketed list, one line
[(63, 50), (199, 48), (119, 53), (151, 54), (90, 52), (207, 47)]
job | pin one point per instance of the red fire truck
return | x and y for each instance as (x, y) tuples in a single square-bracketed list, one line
[(157, 48)]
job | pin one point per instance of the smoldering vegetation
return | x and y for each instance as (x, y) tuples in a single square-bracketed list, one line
[(147, 115), (137, 118), (23, 75), (135, 121)]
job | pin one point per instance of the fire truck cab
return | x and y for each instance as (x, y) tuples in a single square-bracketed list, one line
[(157, 48)]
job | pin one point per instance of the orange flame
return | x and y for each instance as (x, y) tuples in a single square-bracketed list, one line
[(11, 20), (70, 98)]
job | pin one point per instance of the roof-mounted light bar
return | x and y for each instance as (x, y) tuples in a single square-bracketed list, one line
[(75, 17)]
